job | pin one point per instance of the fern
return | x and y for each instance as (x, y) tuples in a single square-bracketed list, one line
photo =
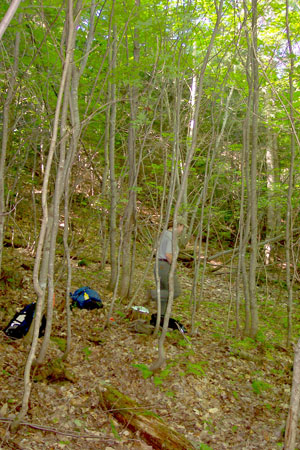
[(146, 372)]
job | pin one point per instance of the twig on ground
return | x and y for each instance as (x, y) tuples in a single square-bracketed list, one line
[(56, 431)]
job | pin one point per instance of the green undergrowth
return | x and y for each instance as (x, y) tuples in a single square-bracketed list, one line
[(60, 342), (260, 386), (181, 365), (204, 447), (272, 329)]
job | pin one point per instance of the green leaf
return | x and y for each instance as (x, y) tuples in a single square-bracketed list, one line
[(204, 447), (196, 368), (146, 372), (115, 431), (78, 423), (259, 386), (236, 395), (60, 342), (87, 352), (170, 394), (159, 379)]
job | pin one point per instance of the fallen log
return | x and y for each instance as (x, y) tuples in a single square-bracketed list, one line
[(187, 258), (150, 427)]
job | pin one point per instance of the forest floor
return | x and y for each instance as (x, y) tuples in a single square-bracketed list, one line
[(219, 391)]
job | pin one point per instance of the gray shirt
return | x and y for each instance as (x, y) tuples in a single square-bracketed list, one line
[(165, 245)]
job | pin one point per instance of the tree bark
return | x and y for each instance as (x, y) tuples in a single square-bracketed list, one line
[(130, 210), (209, 167), (271, 168), (253, 176), (69, 266), (40, 290), (293, 414), (160, 361), (6, 127), (289, 219), (103, 196), (245, 222), (161, 352), (53, 225), (8, 16), (113, 184)]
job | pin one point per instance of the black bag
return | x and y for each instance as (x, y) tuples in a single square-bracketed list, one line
[(173, 324), (19, 325), (86, 298)]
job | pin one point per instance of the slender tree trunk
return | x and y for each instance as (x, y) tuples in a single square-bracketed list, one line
[(40, 291), (293, 414), (161, 352), (271, 210), (193, 89), (245, 222), (244, 225), (69, 267), (113, 184), (104, 196), (253, 177), (8, 16), (53, 229), (195, 300), (289, 220), (156, 246), (65, 163), (6, 130), (171, 194), (130, 211), (74, 75), (109, 316), (246, 229)]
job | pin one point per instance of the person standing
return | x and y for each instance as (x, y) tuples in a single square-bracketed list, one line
[(165, 258)]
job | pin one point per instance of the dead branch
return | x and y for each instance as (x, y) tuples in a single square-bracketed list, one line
[(151, 428)]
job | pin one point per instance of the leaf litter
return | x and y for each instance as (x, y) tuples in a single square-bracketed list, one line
[(209, 392)]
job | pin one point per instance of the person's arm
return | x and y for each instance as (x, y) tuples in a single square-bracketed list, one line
[(169, 249), (169, 257)]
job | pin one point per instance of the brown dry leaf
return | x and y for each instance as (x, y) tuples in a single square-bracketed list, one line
[(218, 408)]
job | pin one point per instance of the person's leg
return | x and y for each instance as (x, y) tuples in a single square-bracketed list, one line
[(177, 288), (163, 272), (177, 292)]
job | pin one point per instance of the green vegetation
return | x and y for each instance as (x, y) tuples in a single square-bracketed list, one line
[(259, 386), (87, 352), (204, 447), (194, 368), (146, 372), (115, 116), (60, 342)]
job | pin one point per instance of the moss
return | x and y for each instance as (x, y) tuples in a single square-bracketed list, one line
[(54, 371), (60, 342)]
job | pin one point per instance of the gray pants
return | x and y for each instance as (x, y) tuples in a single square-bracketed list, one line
[(163, 272)]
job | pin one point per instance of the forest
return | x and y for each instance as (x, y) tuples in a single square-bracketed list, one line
[(117, 117)]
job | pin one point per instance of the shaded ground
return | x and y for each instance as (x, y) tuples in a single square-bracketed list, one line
[(220, 392)]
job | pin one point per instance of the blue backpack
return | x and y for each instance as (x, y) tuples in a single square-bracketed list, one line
[(86, 298), (19, 325)]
